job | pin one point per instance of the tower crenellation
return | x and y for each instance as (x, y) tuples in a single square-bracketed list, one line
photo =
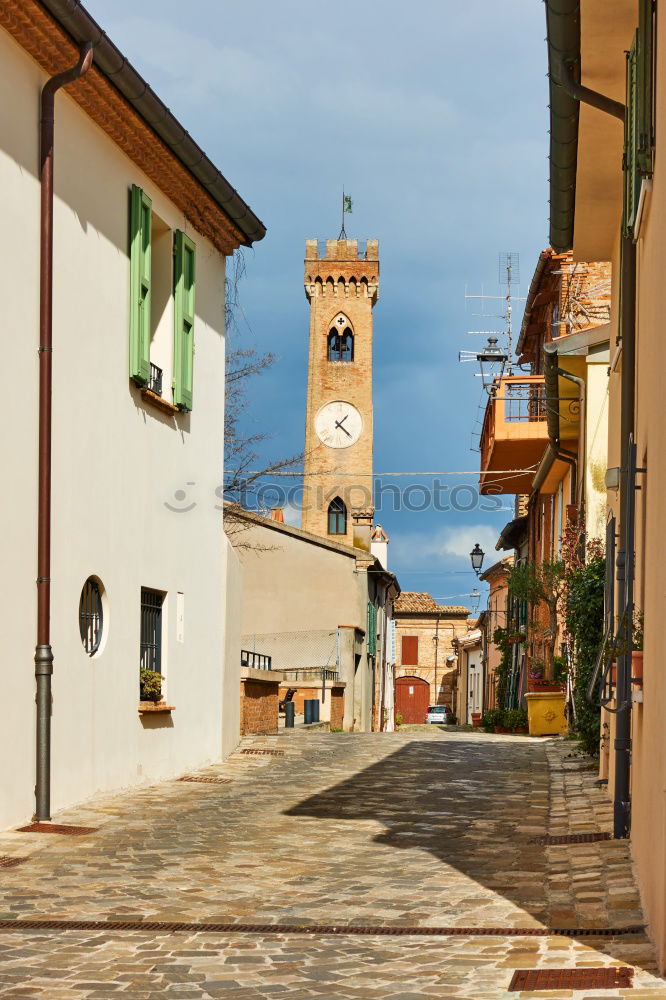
[(341, 284)]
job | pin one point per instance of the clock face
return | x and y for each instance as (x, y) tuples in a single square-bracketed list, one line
[(338, 424)]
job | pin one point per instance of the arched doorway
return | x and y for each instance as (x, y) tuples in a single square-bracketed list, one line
[(412, 697)]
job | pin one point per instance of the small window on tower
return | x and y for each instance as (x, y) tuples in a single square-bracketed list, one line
[(337, 517), (341, 345)]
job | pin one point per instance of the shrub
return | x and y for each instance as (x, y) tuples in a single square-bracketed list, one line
[(585, 624), (150, 683), (490, 719), (515, 718)]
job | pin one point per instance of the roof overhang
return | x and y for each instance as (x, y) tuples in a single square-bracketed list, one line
[(586, 144), (120, 101)]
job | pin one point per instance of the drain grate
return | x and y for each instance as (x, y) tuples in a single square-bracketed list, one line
[(205, 781), (572, 979), (354, 930), (71, 831), (264, 753), (6, 861), (571, 838)]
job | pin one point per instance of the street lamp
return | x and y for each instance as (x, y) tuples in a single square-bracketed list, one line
[(476, 555), (492, 360), (476, 597)]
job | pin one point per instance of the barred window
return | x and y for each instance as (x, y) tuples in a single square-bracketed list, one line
[(91, 615), (151, 629)]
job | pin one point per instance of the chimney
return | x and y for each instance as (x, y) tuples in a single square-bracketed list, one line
[(379, 545), (277, 514)]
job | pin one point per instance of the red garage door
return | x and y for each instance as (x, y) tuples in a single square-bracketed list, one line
[(412, 697)]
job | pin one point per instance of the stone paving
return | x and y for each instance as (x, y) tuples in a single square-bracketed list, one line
[(413, 829)]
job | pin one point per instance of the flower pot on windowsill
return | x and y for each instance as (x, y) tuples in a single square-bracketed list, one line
[(637, 667)]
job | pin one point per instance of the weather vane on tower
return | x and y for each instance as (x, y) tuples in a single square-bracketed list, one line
[(346, 208)]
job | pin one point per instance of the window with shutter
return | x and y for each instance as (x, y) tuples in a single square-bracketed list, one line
[(645, 87), (183, 343), (631, 175), (140, 265), (372, 628), (410, 650)]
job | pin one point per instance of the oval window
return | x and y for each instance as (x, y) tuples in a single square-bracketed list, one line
[(91, 615)]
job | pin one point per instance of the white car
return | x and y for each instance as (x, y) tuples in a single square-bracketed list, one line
[(438, 714)]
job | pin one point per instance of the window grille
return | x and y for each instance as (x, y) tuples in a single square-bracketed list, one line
[(337, 517), (151, 629), (91, 617)]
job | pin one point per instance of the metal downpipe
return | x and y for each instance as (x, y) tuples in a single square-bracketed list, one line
[(622, 744), (43, 651)]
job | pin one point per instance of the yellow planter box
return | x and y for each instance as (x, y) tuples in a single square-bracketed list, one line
[(545, 711)]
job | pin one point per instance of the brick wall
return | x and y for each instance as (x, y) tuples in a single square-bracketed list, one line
[(426, 629), (259, 707), (337, 707)]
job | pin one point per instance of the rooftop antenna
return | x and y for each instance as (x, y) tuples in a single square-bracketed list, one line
[(496, 361)]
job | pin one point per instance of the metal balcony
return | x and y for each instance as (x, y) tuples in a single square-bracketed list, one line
[(514, 436)]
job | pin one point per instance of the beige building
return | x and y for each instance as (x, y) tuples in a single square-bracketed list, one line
[(137, 563), (608, 202), (319, 609), (425, 632), (469, 686)]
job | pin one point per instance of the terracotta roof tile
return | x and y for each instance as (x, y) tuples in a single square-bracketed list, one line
[(411, 602)]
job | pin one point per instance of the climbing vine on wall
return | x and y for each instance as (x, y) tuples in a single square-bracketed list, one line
[(584, 618)]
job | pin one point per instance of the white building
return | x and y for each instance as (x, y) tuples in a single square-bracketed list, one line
[(142, 223)]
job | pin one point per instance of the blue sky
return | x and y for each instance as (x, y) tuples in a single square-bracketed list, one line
[(434, 116)]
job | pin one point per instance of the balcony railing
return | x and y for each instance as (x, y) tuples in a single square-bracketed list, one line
[(524, 401), (155, 381), (257, 661)]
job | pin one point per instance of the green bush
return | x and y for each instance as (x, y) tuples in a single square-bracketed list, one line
[(585, 623), (150, 683), (493, 717), (515, 718)]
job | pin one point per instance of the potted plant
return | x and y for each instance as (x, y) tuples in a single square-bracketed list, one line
[(515, 720), (150, 685), (493, 721)]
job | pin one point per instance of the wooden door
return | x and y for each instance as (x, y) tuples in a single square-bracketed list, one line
[(412, 697)]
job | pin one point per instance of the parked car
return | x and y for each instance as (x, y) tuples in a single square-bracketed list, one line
[(439, 714)]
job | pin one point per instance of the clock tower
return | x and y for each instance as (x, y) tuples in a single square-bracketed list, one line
[(341, 286)]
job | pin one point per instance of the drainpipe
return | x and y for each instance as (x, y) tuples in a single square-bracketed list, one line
[(622, 745), (43, 650)]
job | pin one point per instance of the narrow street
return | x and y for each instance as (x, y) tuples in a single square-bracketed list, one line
[(393, 832)]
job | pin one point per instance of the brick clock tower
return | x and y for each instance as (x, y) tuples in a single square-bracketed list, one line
[(342, 288)]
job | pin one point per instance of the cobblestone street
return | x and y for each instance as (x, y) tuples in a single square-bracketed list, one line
[(400, 832)]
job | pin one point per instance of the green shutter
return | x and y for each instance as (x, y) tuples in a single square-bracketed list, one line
[(183, 311), (645, 87), (140, 234), (372, 628), (632, 179)]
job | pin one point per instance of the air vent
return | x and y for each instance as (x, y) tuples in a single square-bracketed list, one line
[(264, 753)]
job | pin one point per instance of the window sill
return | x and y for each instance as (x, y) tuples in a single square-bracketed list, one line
[(161, 404), (154, 706)]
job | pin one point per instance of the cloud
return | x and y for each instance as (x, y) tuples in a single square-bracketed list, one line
[(444, 547)]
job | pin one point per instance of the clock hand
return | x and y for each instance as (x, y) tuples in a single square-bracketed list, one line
[(339, 423)]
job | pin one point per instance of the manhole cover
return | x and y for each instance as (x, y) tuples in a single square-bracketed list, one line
[(6, 861), (205, 781), (571, 838), (571, 979), (264, 753), (71, 831)]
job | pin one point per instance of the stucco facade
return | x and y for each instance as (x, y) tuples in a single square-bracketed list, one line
[(118, 464), (306, 604)]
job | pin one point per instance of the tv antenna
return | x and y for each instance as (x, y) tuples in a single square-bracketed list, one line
[(496, 358)]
